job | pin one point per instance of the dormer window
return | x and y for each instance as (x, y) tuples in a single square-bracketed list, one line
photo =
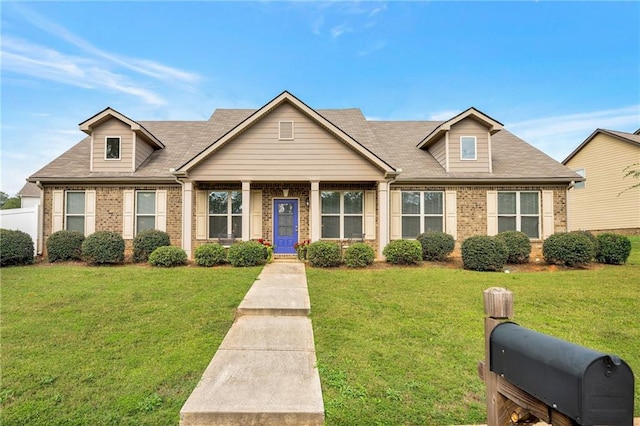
[(112, 148), (468, 148)]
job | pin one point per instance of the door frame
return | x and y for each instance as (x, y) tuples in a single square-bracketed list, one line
[(273, 220)]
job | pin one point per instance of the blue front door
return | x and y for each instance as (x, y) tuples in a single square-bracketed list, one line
[(285, 226)]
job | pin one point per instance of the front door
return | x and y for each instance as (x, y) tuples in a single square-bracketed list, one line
[(285, 226)]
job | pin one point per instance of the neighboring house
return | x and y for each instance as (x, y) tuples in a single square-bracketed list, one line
[(29, 195), (287, 172), (604, 201)]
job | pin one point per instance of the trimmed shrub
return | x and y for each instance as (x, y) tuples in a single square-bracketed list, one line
[(613, 249), (403, 252), (594, 242), (484, 253), (358, 255), (246, 253), (210, 254), (65, 245), (146, 242), (103, 247), (568, 248), (16, 248), (324, 254), (168, 256), (436, 245), (518, 246)]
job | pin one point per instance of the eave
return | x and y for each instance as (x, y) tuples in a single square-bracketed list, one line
[(90, 124), (492, 125)]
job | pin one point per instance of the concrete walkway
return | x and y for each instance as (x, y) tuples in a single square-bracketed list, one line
[(264, 372)]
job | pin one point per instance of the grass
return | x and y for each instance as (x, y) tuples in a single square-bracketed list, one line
[(401, 345), (110, 345), (127, 345)]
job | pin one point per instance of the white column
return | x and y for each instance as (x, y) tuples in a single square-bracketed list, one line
[(246, 210), (383, 208), (314, 205), (187, 216)]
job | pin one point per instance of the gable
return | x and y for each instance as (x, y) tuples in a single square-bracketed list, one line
[(307, 152)]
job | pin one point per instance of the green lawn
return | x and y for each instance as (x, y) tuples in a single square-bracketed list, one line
[(126, 345)]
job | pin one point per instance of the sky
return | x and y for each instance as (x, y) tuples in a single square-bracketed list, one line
[(551, 72)]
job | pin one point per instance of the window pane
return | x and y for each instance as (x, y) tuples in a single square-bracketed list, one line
[(506, 224), (506, 203), (236, 202), (145, 222), (330, 202), (529, 225), (353, 202), (217, 226), (411, 203), (352, 226), (529, 203), (433, 202), (75, 223), (75, 202), (236, 226), (330, 227), (468, 148), (113, 148), (146, 203), (218, 203), (433, 223), (410, 226)]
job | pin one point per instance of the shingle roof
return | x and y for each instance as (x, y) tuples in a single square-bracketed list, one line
[(30, 190), (633, 138), (392, 141)]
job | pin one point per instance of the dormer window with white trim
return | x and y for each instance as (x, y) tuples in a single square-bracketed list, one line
[(468, 148), (286, 130), (112, 148)]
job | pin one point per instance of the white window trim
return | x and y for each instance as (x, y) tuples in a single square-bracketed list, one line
[(341, 214), (519, 215), (421, 215), (475, 148), (280, 137), (66, 209), (136, 214), (229, 215), (106, 139), (582, 172)]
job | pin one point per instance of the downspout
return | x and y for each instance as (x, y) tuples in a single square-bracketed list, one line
[(571, 185), (389, 178), (40, 219), (177, 175)]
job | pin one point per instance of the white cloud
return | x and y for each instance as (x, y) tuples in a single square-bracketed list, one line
[(443, 115)]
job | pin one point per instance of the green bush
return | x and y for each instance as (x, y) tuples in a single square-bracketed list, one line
[(403, 252), (613, 249), (103, 247), (246, 253), (358, 255), (146, 242), (324, 254), (210, 254), (436, 245), (568, 248), (594, 242), (518, 246), (65, 245), (16, 248), (168, 256), (484, 253)]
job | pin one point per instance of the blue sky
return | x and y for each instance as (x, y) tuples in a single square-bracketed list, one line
[(552, 72)]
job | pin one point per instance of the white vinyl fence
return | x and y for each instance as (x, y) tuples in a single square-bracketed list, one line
[(25, 220)]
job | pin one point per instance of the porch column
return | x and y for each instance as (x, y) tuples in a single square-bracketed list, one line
[(314, 205), (246, 210), (383, 208), (187, 216)]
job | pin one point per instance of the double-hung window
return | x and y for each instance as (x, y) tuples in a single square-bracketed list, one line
[(75, 211), (145, 210), (519, 211), (342, 214), (422, 211), (225, 213), (112, 148)]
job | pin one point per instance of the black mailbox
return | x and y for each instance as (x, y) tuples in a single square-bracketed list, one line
[(588, 386)]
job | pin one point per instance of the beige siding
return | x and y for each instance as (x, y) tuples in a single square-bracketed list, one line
[(143, 151), (112, 128), (258, 154), (598, 206), (439, 152), (469, 127)]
